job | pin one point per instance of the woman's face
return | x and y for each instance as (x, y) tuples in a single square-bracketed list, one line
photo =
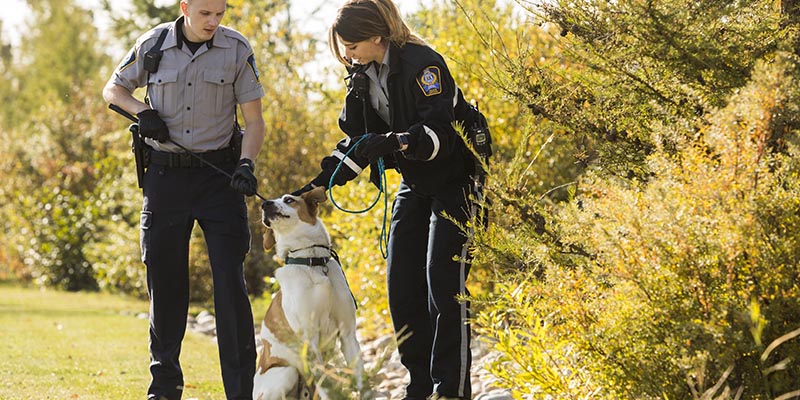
[(365, 51)]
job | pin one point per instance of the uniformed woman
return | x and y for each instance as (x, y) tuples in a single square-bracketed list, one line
[(405, 108)]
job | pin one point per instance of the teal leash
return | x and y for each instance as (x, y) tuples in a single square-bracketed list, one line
[(384, 236)]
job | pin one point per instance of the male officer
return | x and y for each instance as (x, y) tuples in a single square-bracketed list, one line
[(196, 72)]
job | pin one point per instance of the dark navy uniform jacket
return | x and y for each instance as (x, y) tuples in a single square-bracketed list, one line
[(424, 101)]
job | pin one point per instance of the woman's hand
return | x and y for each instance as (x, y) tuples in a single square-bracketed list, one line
[(375, 145)]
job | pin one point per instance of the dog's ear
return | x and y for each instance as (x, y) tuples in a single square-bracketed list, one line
[(317, 195), (313, 197), (269, 239)]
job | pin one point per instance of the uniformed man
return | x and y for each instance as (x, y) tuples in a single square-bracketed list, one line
[(196, 72)]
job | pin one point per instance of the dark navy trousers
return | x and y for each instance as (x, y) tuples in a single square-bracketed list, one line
[(426, 271), (174, 198)]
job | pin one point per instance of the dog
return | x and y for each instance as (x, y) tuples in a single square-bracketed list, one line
[(314, 305)]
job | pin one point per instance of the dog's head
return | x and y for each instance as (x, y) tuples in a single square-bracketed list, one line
[(292, 220)]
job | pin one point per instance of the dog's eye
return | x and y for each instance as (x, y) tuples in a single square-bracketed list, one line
[(288, 200)]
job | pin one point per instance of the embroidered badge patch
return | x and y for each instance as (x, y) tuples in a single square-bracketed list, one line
[(128, 61), (429, 81), (251, 61)]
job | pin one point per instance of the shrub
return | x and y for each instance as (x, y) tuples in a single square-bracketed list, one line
[(660, 304), (645, 283)]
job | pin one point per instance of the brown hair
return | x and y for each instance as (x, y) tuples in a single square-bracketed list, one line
[(359, 20)]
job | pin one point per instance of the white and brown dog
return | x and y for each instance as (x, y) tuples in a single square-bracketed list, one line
[(314, 306)]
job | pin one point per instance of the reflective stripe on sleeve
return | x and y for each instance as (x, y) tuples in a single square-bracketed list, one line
[(434, 140), (347, 161)]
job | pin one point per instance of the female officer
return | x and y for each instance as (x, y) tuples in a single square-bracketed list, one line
[(406, 116)]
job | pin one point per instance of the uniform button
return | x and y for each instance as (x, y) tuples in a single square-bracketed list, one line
[(159, 81), (187, 131), (222, 81), (190, 83), (188, 108)]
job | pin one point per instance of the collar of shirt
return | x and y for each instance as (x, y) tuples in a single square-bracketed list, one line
[(378, 94), (379, 73), (181, 39), (383, 67), (175, 38)]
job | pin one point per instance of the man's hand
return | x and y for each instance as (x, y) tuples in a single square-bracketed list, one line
[(152, 126), (243, 180), (374, 145)]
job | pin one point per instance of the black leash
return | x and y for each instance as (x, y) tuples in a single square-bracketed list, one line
[(129, 116)]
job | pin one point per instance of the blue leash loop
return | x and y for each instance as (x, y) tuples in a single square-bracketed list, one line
[(384, 237)]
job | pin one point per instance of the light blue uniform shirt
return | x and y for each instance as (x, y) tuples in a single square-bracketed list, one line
[(195, 94)]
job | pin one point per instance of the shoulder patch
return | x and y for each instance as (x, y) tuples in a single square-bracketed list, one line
[(430, 81), (128, 61), (251, 61)]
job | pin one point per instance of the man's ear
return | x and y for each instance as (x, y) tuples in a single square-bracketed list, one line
[(269, 239)]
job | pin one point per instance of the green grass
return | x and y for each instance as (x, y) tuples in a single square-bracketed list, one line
[(57, 345)]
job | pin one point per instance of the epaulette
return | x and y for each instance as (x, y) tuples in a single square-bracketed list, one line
[(232, 33), (153, 34), (419, 57)]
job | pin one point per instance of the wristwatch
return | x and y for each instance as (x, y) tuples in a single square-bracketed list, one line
[(402, 138)]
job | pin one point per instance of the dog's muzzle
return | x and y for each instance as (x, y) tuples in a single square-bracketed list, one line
[(269, 211)]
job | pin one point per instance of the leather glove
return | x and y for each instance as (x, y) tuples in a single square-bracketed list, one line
[(307, 188), (243, 179), (374, 145), (152, 126)]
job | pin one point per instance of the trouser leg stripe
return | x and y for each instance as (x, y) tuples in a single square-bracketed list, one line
[(464, 373)]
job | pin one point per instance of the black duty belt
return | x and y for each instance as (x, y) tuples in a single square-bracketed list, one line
[(186, 160)]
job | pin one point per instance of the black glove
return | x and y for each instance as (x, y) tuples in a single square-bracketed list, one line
[(374, 145), (152, 126), (307, 188), (243, 179)]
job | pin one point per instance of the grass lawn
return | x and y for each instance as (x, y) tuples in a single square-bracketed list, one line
[(57, 345)]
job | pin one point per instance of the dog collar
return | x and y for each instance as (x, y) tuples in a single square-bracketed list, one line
[(311, 247), (310, 261)]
